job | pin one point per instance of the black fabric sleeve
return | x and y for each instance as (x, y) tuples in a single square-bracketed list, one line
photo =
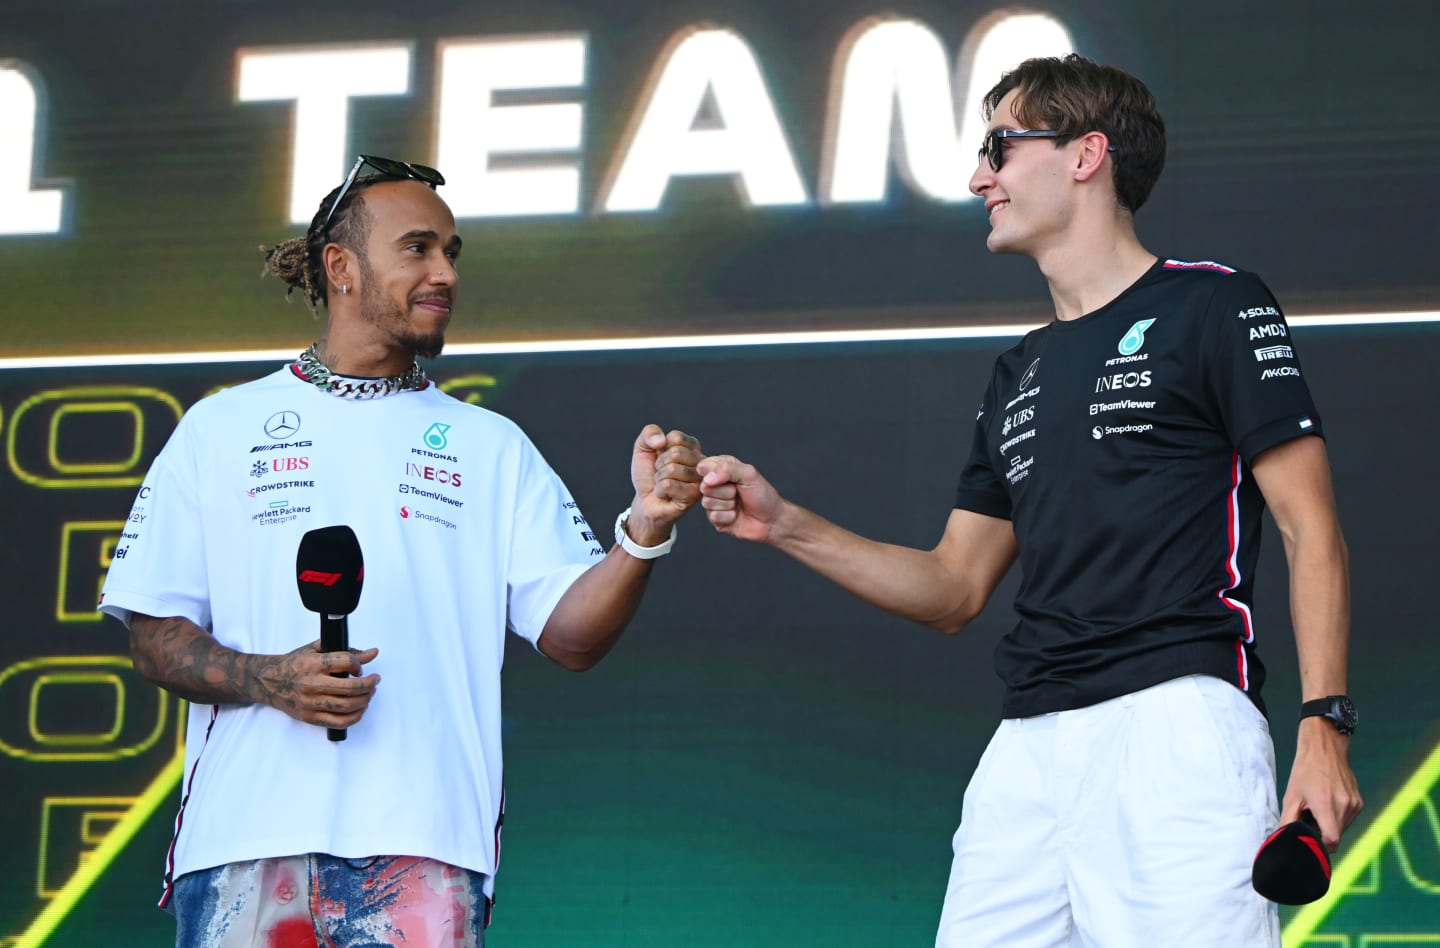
[(1251, 370), (980, 488)]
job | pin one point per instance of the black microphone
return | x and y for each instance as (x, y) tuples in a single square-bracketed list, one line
[(1292, 866), (329, 569)]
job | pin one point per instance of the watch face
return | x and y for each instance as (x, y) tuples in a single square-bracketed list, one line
[(1345, 713)]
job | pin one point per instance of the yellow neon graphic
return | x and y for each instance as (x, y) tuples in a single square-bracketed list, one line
[(80, 392), (77, 678), (477, 381), (1407, 868), (162, 711), (1413, 794), (107, 550), (159, 790), (116, 808), (137, 442)]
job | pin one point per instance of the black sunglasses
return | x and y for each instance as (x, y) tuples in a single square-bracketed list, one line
[(993, 150), (389, 167)]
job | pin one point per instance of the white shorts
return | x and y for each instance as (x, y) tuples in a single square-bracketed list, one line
[(1133, 822)]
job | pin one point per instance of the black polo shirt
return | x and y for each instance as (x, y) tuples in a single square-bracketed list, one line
[(1119, 444)]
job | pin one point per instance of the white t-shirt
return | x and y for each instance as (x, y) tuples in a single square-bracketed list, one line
[(465, 530)]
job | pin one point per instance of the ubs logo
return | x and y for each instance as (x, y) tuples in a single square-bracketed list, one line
[(261, 468), (1018, 419), (282, 425)]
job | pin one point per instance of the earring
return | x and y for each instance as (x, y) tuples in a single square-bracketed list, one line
[(345, 290)]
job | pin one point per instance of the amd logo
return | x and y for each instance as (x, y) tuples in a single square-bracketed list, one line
[(1268, 331)]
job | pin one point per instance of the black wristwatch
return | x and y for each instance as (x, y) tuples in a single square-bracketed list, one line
[(1339, 710)]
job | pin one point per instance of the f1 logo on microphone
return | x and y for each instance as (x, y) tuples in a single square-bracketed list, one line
[(316, 576)]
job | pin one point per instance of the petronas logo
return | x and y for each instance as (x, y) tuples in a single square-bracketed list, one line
[(1135, 338), (435, 438)]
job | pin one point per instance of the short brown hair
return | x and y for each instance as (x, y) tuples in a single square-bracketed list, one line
[(1075, 95)]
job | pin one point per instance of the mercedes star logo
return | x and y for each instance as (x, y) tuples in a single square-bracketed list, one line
[(283, 425)]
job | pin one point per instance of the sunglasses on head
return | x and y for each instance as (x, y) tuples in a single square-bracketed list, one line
[(389, 167), (993, 149)]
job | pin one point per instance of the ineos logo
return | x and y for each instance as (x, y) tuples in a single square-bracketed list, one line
[(282, 424)]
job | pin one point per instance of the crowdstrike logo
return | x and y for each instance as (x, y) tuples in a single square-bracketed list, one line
[(1005, 446), (278, 485), (1134, 338)]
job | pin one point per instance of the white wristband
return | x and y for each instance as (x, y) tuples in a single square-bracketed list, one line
[(636, 550)]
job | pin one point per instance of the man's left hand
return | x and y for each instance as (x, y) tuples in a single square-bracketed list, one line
[(662, 468), (1321, 781)]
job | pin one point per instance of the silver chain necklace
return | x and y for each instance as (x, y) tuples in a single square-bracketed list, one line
[(311, 369)]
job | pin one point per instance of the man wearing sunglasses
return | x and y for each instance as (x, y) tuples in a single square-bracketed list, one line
[(393, 835), (1123, 454)]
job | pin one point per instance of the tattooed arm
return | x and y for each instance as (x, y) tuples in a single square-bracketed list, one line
[(185, 660)]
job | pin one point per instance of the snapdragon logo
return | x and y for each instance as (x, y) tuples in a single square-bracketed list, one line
[(413, 513), (1100, 431), (1134, 338)]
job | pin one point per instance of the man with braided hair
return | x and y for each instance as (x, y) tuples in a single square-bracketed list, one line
[(1123, 453), (392, 836)]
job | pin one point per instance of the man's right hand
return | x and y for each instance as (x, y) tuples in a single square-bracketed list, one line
[(185, 660), (738, 500), (303, 684)]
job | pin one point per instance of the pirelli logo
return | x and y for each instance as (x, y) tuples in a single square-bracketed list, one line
[(1271, 353)]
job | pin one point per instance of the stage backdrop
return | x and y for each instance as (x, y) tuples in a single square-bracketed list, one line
[(763, 760)]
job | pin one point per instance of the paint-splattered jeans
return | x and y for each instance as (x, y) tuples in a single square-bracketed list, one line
[(319, 901)]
